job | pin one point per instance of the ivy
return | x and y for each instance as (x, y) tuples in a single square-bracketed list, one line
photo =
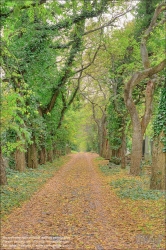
[(114, 127), (159, 125)]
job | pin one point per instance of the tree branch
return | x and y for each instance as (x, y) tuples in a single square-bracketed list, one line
[(87, 66), (86, 14), (153, 24), (67, 105), (139, 76), (108, 23), (67, 70)]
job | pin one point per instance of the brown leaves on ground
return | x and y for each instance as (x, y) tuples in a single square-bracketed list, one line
[(79, 210)]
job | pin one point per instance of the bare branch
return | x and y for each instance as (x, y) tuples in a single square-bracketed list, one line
[(110, 23), (89, 64), (153, 24), (67, 105)]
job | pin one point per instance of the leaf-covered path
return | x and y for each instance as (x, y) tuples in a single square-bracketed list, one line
[(77, 209)]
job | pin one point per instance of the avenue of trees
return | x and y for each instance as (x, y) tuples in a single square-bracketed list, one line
[(83, 75)]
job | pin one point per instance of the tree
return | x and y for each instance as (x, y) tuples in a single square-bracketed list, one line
[(45, 42), (149, 71), (3, 179), (159, 146)]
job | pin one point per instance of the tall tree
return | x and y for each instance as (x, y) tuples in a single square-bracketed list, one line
[(139, 126), (158, 178)]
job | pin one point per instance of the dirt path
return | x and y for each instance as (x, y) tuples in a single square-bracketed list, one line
[(76, 209)]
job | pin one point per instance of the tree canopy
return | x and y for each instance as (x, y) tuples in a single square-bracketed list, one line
[(80, 75)]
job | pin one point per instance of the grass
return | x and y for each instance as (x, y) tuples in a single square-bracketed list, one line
[(135, 189), (127, 186), (146, 206), (21, 186), (99, 158), (109, 171)]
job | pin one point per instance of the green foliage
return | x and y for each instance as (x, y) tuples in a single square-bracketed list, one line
[(114, 127), (42, 48), (109, 171), (135, 190), (99, 158), (125, 55), (144, 12), (159, 125)]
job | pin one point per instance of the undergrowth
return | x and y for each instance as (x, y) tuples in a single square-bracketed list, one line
[(21, 185), (127, 186), (109, 171), (135, 189)]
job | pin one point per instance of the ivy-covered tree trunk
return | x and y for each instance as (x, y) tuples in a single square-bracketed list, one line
[(102, 132), (54, 151), (50, 155), (104, 150), (20, 160), (107, 150), (123, 150), (3, 179), (32, 156), (158, 177), (68, 150), (42, 156)]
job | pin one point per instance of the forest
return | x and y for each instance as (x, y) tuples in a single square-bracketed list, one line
[(83, 76), (83, 122)]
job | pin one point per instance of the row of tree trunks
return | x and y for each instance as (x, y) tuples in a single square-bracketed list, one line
[(31, 159), (104, 145)]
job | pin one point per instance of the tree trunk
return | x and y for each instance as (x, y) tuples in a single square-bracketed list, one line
[(32, 157), (50, 155), (137, 77), (3, 179), (107, 154), (123, 150), (104, 141), (54, 151), (136, 155), (68, 150), (102, 136), (158, 165), (20, 160), (42, 156), (115, 156)]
